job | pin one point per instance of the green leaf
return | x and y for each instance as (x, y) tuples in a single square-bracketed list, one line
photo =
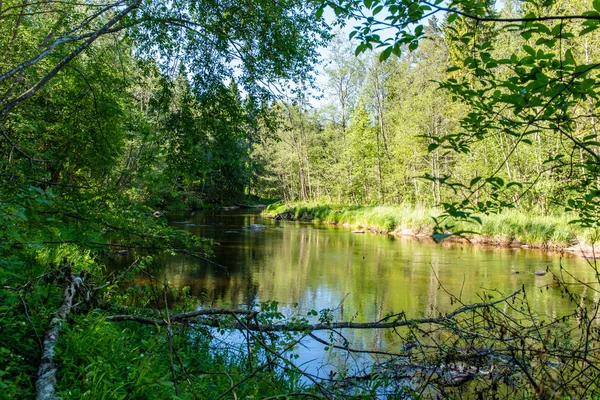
[(588, 30), (319, 13), (592, 14), (569, 59), (587, 83), (529, 50), (385, 54), (432, 147), (438, 237), (360, 49), (476, 219), (526, 35), (475, 180), (21, 214)]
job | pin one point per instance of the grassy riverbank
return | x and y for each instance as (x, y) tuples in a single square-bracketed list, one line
[(510, 227)]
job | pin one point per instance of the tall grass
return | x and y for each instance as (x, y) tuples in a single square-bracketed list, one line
[(511, 226)]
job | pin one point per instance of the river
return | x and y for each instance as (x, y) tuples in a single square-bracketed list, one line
[(306, 266)]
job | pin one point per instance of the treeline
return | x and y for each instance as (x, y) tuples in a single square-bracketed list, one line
[(390, 131), (120, 125), (111, 112), (145, 100)]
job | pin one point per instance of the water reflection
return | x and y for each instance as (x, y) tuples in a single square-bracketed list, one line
[(363, 276)]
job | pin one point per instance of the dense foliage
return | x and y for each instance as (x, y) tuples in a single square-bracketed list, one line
[(483, 107), (111, 113)]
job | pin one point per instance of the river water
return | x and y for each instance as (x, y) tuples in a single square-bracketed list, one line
[(317, 266), (362, 276)]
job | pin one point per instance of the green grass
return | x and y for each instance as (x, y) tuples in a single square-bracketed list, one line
[(511, 225)]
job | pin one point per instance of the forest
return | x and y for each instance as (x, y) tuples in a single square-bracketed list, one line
[(416, 130), (440, 114)]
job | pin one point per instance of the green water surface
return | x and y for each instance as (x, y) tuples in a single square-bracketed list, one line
[(320, 266), (363, 277)]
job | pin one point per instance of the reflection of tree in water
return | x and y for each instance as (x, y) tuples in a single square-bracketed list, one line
[(231, 280), (375, 275), (361, 277)]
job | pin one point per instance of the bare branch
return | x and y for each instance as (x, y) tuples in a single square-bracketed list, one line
[(304, 327), (62, 63), (478, 18), (182, 316)]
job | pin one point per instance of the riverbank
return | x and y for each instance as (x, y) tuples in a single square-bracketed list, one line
[(509, 229), (250, 202)]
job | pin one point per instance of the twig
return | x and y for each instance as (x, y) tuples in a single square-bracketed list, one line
[(114, 279), (170, 336), (31, 322), (351, 350), (285, 396)]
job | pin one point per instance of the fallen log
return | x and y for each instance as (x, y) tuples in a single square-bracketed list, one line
[(45, 384)]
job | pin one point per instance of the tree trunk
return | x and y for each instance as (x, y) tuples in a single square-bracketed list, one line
[(45, 385)]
